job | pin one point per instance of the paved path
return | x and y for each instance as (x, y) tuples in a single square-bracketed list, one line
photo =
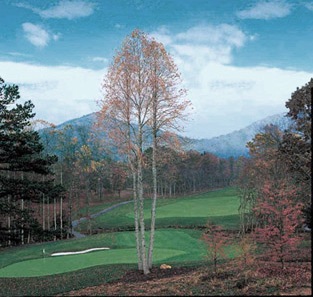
[(77, 222)]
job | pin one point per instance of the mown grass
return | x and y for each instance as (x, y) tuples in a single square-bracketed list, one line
[(93, 209), (56, 284), (35, 251), (183, 248), (220, 207), (63, 264), (177, 247), (171, 246)]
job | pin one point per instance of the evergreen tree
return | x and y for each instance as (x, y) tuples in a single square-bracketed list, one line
[(295, 148), (22, 164)]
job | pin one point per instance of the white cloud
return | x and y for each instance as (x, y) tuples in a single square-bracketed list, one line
[(221, 54), (99, 59), (119, 26), (59, 93), (64, 9), (36, 35), (266, 10), (309, 5), (225, 97), (211, 43), (56, 37), (214, 35), (164, 39), (17, 54), (228, 98), (162, 34)]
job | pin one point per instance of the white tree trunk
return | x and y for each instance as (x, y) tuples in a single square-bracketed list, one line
[(61, 208), (136, 210), (142, 219), (153, 207)]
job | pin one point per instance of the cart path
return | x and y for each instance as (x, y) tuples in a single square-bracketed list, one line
[(75, 223)]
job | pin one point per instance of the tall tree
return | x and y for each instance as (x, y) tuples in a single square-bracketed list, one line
[(167, 109), (295, 149), (141, 98), (125, 103), (264, 165), (21, 158), (278, 156)]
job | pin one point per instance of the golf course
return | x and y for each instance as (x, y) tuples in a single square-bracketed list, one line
[(179, 226), (156, 148)]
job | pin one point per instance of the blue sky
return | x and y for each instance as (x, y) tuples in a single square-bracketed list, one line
[(240, 60)]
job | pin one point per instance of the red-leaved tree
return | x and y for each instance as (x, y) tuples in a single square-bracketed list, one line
[(278, 216), (216, 240)]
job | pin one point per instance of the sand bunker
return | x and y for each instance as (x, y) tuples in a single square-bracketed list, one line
[(79, 252)]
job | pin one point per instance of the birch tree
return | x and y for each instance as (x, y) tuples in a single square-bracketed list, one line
[(167, 108), (141, 98)]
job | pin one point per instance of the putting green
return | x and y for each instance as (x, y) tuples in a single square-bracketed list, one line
[(62, 264)]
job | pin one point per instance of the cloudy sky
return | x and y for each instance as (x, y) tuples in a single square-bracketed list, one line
[(240, 60)]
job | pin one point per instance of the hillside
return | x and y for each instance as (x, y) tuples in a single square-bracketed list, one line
[(232, 144)]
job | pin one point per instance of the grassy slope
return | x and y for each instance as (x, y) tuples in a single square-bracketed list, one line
[(181, 247), (220, 207), (173, 246), (178, 244)]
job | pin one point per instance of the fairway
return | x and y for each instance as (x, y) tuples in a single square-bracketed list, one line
[(215, 203), (200, 207), (62, 264), (170, 245), (220, 207)]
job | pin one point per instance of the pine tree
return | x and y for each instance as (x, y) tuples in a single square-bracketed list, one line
[(21, 164)]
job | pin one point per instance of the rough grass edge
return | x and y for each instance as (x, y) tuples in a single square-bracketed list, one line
[(61, 283)]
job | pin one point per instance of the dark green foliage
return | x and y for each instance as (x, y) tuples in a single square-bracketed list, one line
[(25, 173), (295, 148)]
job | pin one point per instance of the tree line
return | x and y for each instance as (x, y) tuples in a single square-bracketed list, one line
[(48, 174), (26, 177), (275, 182), (274, 186)]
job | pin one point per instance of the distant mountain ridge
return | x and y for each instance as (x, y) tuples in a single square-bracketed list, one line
[(231, 144), (234, 143)]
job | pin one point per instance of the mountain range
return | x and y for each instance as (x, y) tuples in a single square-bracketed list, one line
[(229, 145), (234, 143)]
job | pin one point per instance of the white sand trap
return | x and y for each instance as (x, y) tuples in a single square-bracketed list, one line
[(79, 252)]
